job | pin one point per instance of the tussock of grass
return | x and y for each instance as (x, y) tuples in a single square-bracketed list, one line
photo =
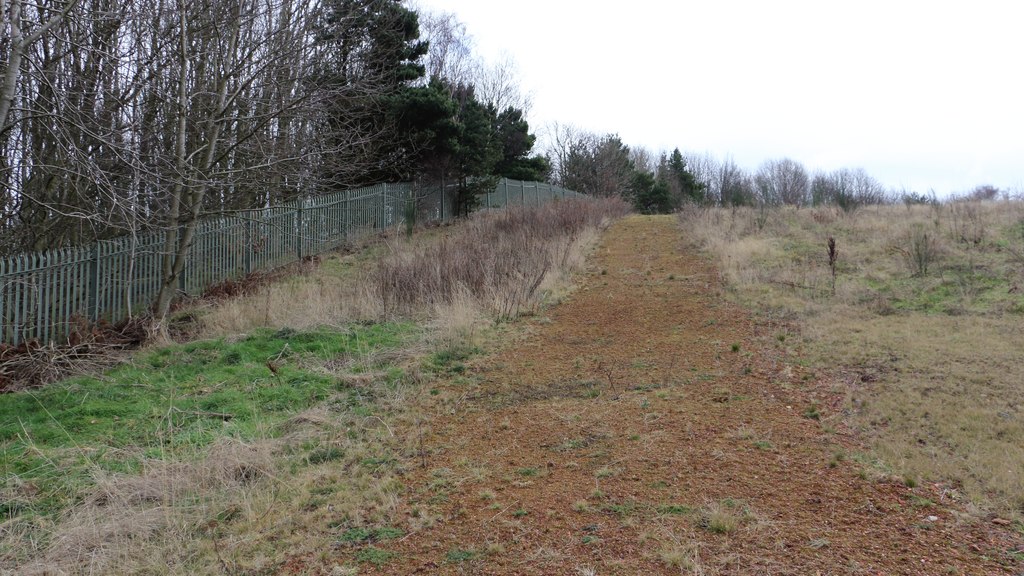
[(724, 517), (681, 554), (923, 330)]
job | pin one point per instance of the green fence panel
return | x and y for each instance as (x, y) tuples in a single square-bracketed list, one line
[(45, 296)]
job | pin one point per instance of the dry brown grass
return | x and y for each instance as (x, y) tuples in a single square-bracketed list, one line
[(496, 263), (333, 294), (243, 507), (502, 260), (928, 357)]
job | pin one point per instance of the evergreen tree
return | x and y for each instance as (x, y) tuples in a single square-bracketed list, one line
[(651, 195), (478, 150), (513, 131), (372, 55), (687, 186)]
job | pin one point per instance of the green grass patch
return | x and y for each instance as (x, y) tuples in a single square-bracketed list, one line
[(366, 535), (919, 502), (171, 402), (328, 454), (451, 360), (375, 556), (622, 509), (459, 555)]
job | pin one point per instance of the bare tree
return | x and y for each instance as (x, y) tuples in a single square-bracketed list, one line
[(145, 116), (643, 159), (450, 53), (562, 141), (847, 188), (499, 85), (783, 181), (22, 33), (704, 168), (735, 186)]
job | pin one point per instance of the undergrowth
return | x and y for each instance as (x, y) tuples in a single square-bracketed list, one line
[(286, 429), (501, 259)]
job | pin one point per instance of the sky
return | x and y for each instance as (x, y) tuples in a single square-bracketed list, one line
[(922, 95)]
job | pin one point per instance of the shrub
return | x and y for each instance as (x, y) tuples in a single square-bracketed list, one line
[(919, 249), (499, 259)]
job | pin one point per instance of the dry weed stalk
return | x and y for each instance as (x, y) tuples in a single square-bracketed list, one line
[(833, 257)]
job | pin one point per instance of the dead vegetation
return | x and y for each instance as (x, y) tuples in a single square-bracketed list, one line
[(242, 505), (500, 259), (503, 263), (87, 350), (917, 320)]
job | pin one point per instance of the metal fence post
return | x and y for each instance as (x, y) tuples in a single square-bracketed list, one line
[(3, 297), (347, 219), (94, 281), (182, 278), (249, 239), (504, 181), (298, 227)]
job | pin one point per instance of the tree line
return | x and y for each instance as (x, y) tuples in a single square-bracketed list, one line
[(662, 183), (124, 116), (665, 182)]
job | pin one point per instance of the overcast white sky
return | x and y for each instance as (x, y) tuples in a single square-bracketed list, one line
[(922, 94)]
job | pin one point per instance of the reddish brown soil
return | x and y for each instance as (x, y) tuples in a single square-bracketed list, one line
[(648, 396)]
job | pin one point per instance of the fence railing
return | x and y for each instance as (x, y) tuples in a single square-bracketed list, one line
[(45, 295)]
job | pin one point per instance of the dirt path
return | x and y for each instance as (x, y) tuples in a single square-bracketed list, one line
[(647, 429)]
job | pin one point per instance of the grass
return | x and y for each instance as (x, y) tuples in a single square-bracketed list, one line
[(681, 555), (286, 428), (923, 327), (375, 556), (171, 402), (192, 440), (724, 517), (459, 555)]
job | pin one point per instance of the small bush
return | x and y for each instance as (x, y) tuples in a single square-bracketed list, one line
[(920, 250)]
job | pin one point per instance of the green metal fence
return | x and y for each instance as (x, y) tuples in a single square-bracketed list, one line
[(44, 295)]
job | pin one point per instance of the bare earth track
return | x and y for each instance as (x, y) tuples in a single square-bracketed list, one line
[(649, 426)]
